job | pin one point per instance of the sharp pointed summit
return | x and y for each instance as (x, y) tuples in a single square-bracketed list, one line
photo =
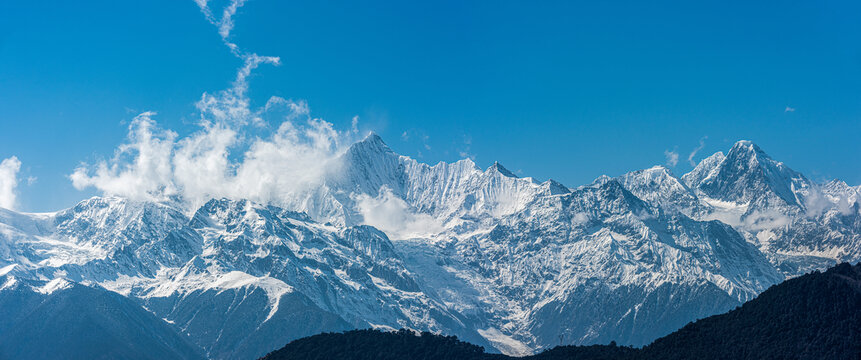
[(745, 151), (501, 169), (748, 174), (372, 143)]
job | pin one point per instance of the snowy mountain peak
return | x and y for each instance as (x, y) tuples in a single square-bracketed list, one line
[(373, 137), (497, 167), (371, 144), (845, 198), (748, 174), (659, 186), (659, 171), (747, 151), (601, 180), (707, 168), (745, 145), (554, 187), (656, 177)]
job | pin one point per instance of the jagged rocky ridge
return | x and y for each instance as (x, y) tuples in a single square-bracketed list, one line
[(505, 262)]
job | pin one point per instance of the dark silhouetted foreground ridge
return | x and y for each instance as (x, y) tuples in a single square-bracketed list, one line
[(815, 316), (374, 344)]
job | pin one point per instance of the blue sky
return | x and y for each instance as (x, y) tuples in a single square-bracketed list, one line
[(563, 90)]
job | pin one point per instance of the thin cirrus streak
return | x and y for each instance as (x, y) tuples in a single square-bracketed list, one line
[(696, 150)]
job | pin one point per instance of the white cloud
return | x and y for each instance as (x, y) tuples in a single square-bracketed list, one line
[(223, 159), (465, 152), (393, 216), (816, 202), (225, 22), (789, 109), (765, 220), (275, 153), (232, 106), (217, 161), (696, 150), (354, 124), (754, 221), (139, 169), (580, 219), (9, 181), (672, 157)]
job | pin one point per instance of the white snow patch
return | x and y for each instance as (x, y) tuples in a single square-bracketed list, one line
[(54, 285), (346, 279), (6, 269), (505, 343), (274, 288), (10, 282), (383, 327)]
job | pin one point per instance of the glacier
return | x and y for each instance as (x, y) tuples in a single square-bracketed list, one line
[(509, 263)]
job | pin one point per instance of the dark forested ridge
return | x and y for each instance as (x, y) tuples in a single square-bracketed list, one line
[(375, 344), (815, 316)]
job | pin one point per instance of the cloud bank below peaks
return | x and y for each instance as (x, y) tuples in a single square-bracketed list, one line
[(394, 216)]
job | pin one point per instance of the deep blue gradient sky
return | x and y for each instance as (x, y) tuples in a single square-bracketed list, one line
[(564, 90)]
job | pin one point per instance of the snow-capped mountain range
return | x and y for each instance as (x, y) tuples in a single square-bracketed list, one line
[(510, 263)]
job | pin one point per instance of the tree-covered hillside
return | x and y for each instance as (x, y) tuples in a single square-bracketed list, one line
[(815, 316)]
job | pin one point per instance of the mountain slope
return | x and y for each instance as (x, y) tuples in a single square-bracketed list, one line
[(815, 316), (800, 225), (58, 319), (238, 278)]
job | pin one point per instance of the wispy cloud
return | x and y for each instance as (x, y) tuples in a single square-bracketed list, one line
[(9, 181), (225, 22), (696, 150), (232, 106), (417, 134), (465, 152), (789, 109), (222, 158), (672, 157)]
